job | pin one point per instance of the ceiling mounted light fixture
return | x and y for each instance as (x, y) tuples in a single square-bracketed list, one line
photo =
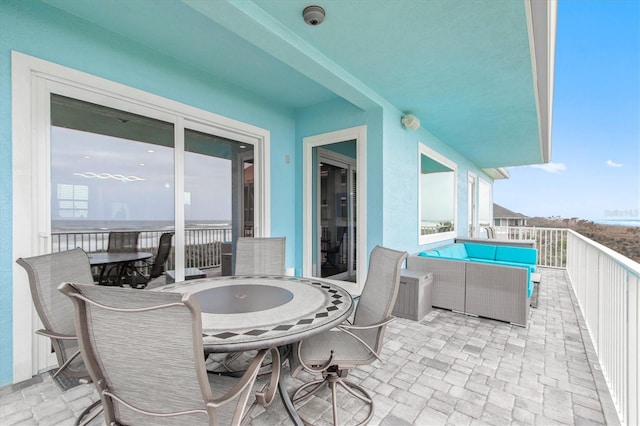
[(410, 121), (313, 15)]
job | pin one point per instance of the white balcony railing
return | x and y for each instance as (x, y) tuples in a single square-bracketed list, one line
[(606, 285), (550, 242)]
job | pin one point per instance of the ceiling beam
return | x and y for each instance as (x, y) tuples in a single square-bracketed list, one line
[(252, 23)]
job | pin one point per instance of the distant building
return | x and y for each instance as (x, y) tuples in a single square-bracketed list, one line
[(505, 217)]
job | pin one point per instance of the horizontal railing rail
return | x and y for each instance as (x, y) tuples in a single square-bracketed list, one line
[(550, 242), (203, 246), (606, 285)]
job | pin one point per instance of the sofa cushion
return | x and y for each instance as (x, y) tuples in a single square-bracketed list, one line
[(480, 251), (445, 252), (430, 253), (531, 268), (517, 254), (458, 251), (453, 251)]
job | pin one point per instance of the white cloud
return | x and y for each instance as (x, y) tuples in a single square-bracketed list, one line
[(611, 163), (551, 167)]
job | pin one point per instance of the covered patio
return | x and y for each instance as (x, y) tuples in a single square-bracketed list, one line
[(446, 369)]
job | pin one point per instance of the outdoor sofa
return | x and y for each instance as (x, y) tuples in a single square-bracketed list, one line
[(487, 280)]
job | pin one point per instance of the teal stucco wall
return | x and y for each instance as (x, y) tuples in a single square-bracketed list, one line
[(38, 30)]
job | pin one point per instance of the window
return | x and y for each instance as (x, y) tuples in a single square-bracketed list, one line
[(485, 204), (108, 166), (73, 200), (437, 196)]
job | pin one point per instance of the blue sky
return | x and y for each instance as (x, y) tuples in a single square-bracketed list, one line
[(594, 171)]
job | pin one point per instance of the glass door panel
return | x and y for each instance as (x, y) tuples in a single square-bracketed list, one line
[(218, 198), (334, 219), (336, 197), (111, 170)]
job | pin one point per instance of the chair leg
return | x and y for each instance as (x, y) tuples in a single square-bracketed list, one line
[(334, 381), (91, 412), (334, 401), (318, 385)]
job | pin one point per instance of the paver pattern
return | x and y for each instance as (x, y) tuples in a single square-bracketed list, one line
[(446, 369)]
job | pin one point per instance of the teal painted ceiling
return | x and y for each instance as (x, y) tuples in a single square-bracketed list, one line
[(465, 68)]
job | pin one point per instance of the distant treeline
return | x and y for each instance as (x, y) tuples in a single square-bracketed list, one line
[(623, 239)]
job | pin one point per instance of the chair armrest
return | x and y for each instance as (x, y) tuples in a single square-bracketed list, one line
[(348, 327), (54, 335), (345, 328), (368, 326)]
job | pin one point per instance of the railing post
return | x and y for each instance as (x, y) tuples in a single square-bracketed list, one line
[(633, 347)]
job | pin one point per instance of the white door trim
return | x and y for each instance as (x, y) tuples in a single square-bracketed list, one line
[(472, 204), (359, 134), (33, 80)]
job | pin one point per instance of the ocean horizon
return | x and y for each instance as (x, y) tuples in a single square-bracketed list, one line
[(84, 225), (618, 222)]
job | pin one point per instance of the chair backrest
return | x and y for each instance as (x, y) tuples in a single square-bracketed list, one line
[(125, 241), (46, 272), (163, 372), (260, 256), (164, 249), (379, 293), (491, 232)]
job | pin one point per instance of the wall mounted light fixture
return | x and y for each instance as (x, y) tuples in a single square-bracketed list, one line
[(410, 121)]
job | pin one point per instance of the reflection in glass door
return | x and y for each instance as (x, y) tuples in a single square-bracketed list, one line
[(114, 170), (219, 194), (336, 194), (111, 170)]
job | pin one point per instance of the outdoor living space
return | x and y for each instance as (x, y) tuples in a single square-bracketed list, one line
[(446, 369)]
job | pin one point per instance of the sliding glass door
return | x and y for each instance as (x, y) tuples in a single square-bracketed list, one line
[(90, 156), (336, 216), (113, 170)]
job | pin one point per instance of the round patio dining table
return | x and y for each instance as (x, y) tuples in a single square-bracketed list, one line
[(241, 313)]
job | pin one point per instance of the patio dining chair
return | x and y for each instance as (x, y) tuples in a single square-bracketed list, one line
[(55, 311), (119, 242), (335, 352), (160, 379), (136, 273), (260, 256), (255, 256), (123, 241), (491, 232)]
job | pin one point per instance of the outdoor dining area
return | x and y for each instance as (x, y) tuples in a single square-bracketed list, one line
[(263, 348), (175, 328), (446, 369)]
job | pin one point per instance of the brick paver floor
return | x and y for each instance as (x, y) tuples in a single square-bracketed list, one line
[(446, 369)]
